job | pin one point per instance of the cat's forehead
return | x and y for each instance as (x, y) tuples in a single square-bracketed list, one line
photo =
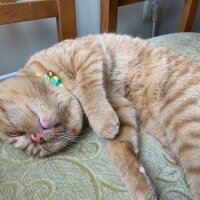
[(22, 87)]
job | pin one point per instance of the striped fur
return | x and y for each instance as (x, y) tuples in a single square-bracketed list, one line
[(122, 84)]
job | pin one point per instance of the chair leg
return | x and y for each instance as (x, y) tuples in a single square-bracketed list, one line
[(109, 10), (66, 20), (188, 15)]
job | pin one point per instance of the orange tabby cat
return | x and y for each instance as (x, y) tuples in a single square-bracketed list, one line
[(120, 83)]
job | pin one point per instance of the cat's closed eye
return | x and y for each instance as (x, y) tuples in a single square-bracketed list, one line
[(16, 134), (57, 125)]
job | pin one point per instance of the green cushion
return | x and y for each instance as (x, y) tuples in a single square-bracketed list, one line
[(85, 172)]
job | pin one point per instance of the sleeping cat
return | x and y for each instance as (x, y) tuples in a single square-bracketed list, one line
[(121, 84)]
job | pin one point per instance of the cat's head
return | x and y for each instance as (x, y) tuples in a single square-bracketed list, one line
[(38, 117)]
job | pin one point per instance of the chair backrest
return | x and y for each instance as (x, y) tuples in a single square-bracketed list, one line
[(188, 15), (109, 11), (12, 11)]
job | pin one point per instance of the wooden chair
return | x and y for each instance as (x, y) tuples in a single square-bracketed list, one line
[(12, 11), (188, 15), (109, 11)]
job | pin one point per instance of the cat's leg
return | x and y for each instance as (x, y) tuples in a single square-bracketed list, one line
[(187, 152), (90, 80), (124, 152)]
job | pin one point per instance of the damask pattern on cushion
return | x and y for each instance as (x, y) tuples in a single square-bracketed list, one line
[(84, 171)]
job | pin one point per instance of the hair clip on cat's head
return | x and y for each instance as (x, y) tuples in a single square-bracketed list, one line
[(53, 78)]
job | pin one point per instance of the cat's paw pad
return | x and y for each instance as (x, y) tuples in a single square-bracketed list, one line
[(108, 125)]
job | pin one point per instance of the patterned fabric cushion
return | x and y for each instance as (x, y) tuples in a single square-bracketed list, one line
[(85, 172)]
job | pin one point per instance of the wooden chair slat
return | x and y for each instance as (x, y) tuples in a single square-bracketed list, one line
[(23, 11), (188, 15), (126, 2)]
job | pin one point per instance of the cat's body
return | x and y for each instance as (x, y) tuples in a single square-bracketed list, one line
[(105, 75)]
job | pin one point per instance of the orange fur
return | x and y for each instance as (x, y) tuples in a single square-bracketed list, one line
[(122, 84)]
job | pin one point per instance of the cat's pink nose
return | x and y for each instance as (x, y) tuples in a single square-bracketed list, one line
[(37, 138)]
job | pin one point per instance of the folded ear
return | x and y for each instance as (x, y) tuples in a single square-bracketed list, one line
[(32, 68)]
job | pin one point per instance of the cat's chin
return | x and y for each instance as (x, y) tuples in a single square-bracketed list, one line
[(41, 150), (41, 153), (48, 151), (37, 151)]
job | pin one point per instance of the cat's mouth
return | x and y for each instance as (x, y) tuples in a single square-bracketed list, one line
[(50, 142), (56, 145)]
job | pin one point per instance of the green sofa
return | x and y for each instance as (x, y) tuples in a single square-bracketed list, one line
[(85, 172)]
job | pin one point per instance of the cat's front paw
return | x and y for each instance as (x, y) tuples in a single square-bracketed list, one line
[(106, 125)]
